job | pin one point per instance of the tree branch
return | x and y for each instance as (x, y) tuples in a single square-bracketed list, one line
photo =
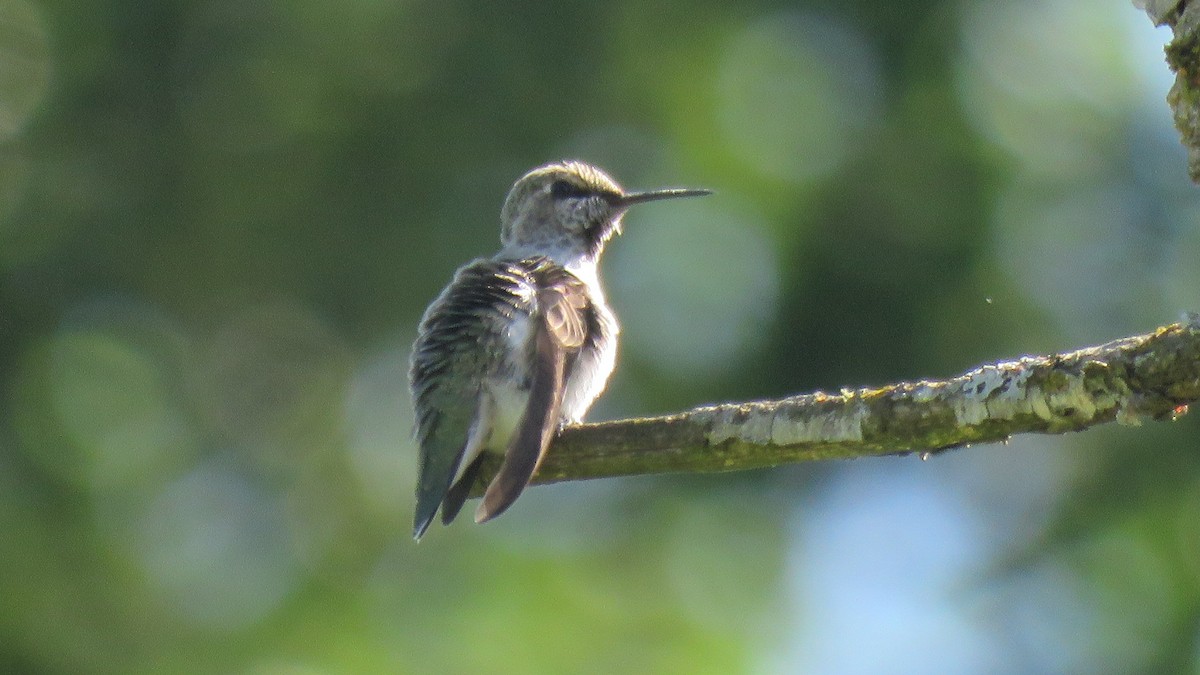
[(1153, 376), (1183, 56)]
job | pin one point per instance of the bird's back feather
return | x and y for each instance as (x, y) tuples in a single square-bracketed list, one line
[(465, 344)]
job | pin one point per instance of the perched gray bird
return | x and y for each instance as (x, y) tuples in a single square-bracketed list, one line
[(520, 343)]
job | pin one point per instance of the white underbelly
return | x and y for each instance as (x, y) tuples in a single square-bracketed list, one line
[(590, 374), (508, 408), (500, 409)]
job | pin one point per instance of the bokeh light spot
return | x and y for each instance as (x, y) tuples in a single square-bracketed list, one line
[(1054, 118), (274, 379), (879, 555), (379, 428), (24, 64), (795, 93), (698, 579), (700, 281), (1078, 253), (96, 403), (215, 544), (112, 403)]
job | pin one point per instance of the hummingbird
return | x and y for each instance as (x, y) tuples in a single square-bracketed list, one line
[(518, 344)]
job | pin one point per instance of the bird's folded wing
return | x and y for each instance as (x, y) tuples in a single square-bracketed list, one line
[(559, 330)]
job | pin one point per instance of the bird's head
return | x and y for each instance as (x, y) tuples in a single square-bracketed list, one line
[(569, 210)]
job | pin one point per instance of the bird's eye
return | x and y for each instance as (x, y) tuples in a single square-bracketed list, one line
[(562, 189)]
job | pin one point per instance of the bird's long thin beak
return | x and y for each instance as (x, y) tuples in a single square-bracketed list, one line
[(654, 195)]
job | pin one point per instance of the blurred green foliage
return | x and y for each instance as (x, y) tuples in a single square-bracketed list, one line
[(220, 221)]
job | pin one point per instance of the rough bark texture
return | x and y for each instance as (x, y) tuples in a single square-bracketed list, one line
[(1183, 55), (1153, 376)]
